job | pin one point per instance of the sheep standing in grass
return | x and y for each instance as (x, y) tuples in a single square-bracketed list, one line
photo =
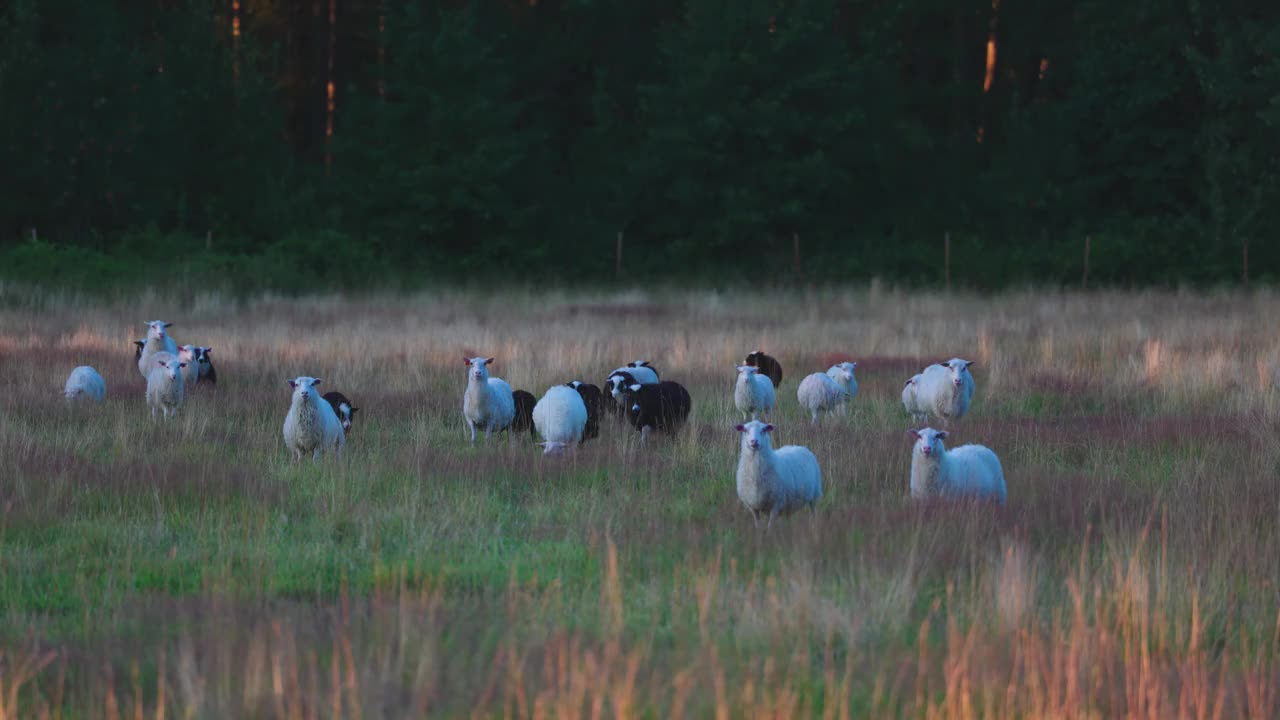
[(342, 407), (165, 385), (769, 366), (753, 393), (594, 400), (524, 402), (158, 340), (945, 390), (818, 393), (84, 383), (311, 425), (660, 406), (488, 403), (635, 372), (775, 482), (911, 400), (204, 364), (966, 471), (842, 374), (561, 418)]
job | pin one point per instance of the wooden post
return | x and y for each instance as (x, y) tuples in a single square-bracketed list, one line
[(617, 258), (1244, 270), (946, 258), (1084, 278), (795, 253)]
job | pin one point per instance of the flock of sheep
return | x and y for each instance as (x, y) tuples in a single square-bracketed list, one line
[(771, 482)]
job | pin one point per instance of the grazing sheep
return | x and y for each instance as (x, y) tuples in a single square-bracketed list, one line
[(84, 383), (164, 384), (190, 370), (488, 402), (842, 373), (524, 402), (775, 482), (205, 365), (819, 393), (753, 392), (910, 399), (594, 400), (945, 390), (157, 341), (311, 425), (561, 418), (768, 365), (342, 407), (660, 406), (966, 471)]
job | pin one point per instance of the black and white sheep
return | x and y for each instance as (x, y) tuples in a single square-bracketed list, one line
[(660, 406), (342, 407)]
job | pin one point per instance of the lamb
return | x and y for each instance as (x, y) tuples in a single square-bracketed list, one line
[(561, 418), (311, 425), (945, 390), (190, 370), (775, 482), (488, 403), (767, 365), (594, 400), (164, 384), (966, 471), (842, 373), (85, 383), (659, 406), (157, 341), (524, 402), (342, 407), (205, 364), (819, 393), (910, 398), (753, 393)]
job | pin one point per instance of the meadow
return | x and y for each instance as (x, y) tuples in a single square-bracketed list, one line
[(192, 569)]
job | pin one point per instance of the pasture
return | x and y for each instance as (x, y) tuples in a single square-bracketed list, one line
[(192, 569)]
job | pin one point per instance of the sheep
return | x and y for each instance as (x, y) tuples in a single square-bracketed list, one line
[(660, 406), (594, 400), (190, 370), (753, 392), (910, 398), (204, 363), (768, 365), (157, 341), (85, 383), (946, 389), (636, 371), (164, 384), (842, 373), (488, 402), (524, 402), (342, 407), (561, 418), (311, 426), (775, 482), (819, 393), (966, 471), (137, 353)]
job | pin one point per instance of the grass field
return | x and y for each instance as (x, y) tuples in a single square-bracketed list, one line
[(193, 570)]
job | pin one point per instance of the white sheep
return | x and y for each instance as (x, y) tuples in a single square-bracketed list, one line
[(911, 400), (945, 390), (819, 393), (311, 425), (164, 384), (966, 471), (842, 374), (561, 418), (753, 392), (488, 402), (157, 341), (191, 369), (85, 383), (775, 482)]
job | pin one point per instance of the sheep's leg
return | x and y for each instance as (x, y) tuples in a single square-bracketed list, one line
[(772, 514), (315, 454), (488, 430), (815, 417), (644, 436), (473, 432), (297, 455), (755, 517)]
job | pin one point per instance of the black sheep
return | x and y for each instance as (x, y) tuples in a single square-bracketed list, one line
[(594, 400), (767, 364), (342, 406), (207, 373), (663, 406), (524, 411)]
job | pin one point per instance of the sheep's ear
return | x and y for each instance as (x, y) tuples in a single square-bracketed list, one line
[(208, 350), (315, 382), (466, 360), (353, 411), (168, 324), (968, 363), (914, 433), (292, 384), (941, 434), (740, 427), (488, 361), (768, 428)]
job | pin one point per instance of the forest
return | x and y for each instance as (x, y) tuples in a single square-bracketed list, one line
[(345, 143)]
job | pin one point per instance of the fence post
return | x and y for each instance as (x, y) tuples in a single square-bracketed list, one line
[(1084, 279), (617, 257), (946, 258)]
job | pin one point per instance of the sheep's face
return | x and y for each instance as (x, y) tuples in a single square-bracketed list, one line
[(346, 414), (748, 372), (202, 355), (618, 384), (156, 329), (929, 442), (171, 369), (187, 353), (755, 435), (304, 387), (957, 369), (479, 368)]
